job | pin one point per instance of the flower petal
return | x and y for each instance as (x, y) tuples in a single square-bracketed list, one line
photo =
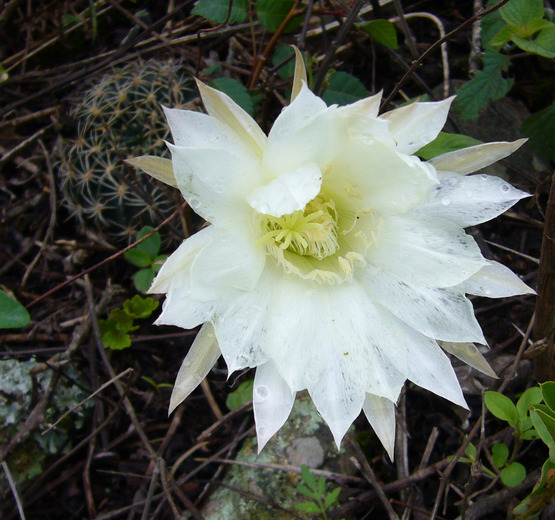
[(380, 413), (214, 181), (431, 369), (289, 192), (437, 313), (159, 168), (299, 76), (177, 266), (496, 281), (272, 402), (415, 125), (198, 362), (425, 252), (474, 158), (473, 199), (223, 108), (469, 353), (376, 177)]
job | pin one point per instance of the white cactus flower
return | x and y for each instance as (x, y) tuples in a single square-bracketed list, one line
[(336, 260)]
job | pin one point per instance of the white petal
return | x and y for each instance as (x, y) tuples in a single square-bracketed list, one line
[(182, 310), (223, 108), (214, 181), (424, 251), (157, 167), (200, 359), (379, 178), (272, 401), (380, 413), (177, 266), (289, 192), (337, 399), (231, 260), (471, 200), (437, 313), (415, 125), (362, 109), (474, 158), (495, 280), (469, 353), (240, 328), (430, 368)]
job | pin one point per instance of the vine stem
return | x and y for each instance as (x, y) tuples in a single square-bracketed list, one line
[(415, 64), (544, 326)]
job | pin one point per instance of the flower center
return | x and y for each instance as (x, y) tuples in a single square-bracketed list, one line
[(309, 232)]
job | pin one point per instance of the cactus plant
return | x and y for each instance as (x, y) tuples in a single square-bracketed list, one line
[(119, 117)]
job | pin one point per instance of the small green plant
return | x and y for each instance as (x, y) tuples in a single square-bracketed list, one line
[(316, 490), (12, 314), (242, 395), (146, 256), (115, 330)]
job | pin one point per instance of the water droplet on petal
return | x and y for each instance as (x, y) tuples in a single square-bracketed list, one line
[(505, 188), (194, 202), (488, 292), (262, 392), (186, 364), (445, 201), (464, 273), (484, 177)]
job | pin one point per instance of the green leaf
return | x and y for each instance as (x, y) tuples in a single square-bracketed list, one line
[(543, 44), (531, 396), (331, 497), (121, 320), (500, 454), (112, 336), (534, 26), (308, 507), (308, 492), (321, 486), (444, 143), (540, 128), (530, 434), (541, 427), (488, 84), (548, 393), (138, 257), (151, 246), (470, 450), (12, 314), (236, 91), (381, 31), (309, 478), (271, 13), (242, 395), (343, 89), (138, 307), (501, 406), (504, 35), (521, 12), (513, 474), (491, 24), (143, 278), (282, 52), (216, 10)]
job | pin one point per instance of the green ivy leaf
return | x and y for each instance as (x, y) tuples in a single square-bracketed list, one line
[(513, 474), (343, 89), (271, 13), (308, 507), (444, 143), (151, 246), (112, 336), (242, 395), (121, 320), (542, 45), (144, 277), (12, 314), (540, 128), (216, 10), (500, 454), (521, 12), (488, 84), (501, 406), (138, 257), (138, 307), (236, 91), (381, 31)]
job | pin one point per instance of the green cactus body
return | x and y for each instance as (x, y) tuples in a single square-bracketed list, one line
[(122, 117)]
